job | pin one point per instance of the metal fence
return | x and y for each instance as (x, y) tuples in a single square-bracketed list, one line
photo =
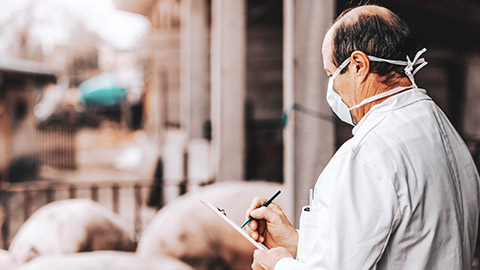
[(55, 146), (19, 201)]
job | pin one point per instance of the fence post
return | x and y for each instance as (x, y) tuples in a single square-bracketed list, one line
[(115, 197), (94, 192), (50, 194), (138, 202), (26, 204), (6, 218), (156, 198), (183, 187), (72, 192)]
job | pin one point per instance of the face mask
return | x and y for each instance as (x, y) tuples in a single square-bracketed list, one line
[(341, 109)]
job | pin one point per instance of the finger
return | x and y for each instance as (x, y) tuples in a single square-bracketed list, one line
[(257, 257), (254, 235), (264, 213), (253, 225), (256, 266), (256, 203), (260, 239), (275, 207), (262, 225)]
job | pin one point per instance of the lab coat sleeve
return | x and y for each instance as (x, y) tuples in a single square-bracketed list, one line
[(289, 264), (355, 211)]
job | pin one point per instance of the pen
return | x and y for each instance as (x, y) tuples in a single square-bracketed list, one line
[(264, 204)]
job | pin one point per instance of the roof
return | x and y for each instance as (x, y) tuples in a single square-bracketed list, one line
[(17, 65)]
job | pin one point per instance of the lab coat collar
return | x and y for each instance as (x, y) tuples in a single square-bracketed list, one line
[(378, 111)]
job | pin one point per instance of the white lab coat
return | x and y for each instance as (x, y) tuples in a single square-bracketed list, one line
[(403, 193)]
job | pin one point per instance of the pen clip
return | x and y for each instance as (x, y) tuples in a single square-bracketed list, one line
[(310, 197)]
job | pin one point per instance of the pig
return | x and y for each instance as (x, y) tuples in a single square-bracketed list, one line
[(188, 230), (104, 260), (70, 226)]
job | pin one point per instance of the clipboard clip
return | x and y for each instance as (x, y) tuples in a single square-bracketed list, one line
[(221, 210)]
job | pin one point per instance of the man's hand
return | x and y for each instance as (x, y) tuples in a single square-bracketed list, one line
[(266, 259), (271, 227)]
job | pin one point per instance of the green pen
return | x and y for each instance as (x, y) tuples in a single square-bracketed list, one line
[(264, 204)]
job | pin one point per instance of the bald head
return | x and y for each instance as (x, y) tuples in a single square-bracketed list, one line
[(373, 30), (350, 16)]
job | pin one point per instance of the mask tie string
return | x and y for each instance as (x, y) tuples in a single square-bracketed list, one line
[(409, 71)]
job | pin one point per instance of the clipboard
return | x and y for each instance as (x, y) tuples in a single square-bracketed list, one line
[(221, 213)]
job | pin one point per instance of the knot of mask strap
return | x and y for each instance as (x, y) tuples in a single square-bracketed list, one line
[(409, 71)]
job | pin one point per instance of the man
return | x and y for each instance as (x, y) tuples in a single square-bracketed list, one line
[(403, 193)]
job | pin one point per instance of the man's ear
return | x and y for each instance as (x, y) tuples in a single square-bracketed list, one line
[(360, 65)]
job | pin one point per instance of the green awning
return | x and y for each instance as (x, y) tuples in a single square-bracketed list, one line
[(102, 90)]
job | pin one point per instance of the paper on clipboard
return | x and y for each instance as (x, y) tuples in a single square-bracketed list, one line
[(221, 213)]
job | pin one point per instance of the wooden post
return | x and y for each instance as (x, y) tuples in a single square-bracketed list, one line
[(308, 142), (228, 88), (5, 140), (194, 37)]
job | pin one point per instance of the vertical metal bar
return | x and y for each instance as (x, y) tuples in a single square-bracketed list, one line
[(94, 192), (50, 192), (138, 202), (64, 149), (58, 156), (74, 148), (72, 192), (26, 204), (70, 148), (182, 186), (158, 185), (48, 146), (115, 197), (46, 140), (54, 147), (51, 146), (61, 148), (157, 192), (6, 218), (66, 156)]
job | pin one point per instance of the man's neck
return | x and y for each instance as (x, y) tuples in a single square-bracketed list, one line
[(373, 88)]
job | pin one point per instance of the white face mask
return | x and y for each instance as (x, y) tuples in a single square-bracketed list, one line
[(341, 109)]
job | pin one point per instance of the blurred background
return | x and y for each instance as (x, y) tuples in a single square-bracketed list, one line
[(132, 103)]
